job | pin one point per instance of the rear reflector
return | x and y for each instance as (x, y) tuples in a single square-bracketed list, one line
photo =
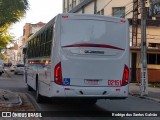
[(125, 76), (65, 17), (58, 74)]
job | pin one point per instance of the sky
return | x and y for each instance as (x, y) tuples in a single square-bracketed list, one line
[(40, 10)]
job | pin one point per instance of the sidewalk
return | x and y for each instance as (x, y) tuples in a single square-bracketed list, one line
[(153, 93), (14, 101), (9, 99)]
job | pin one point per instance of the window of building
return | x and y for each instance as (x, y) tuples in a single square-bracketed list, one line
[(153, 58), (101, 12), (74, 3), (118, 12), (154, 45), (98, 13), (158, 59), (70, 7)]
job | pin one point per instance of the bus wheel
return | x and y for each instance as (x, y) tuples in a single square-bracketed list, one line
[(25, 77), (39, 98), (29, 88)]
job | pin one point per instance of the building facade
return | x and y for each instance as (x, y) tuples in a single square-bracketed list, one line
[(129, 9), (30, 29), (15, 54), (19, 51)]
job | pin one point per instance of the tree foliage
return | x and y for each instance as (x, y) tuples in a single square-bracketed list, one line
[(5, 38), (11, 11)]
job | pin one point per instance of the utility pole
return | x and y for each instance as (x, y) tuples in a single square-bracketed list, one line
[(135, 22), (144, 73)]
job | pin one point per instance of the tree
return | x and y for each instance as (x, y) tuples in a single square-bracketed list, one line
[(5, 38), (11, 11)]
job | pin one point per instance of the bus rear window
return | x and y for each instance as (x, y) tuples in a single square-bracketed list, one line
[(93, 31)]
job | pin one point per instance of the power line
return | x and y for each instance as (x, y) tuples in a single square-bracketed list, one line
[(107, 4)]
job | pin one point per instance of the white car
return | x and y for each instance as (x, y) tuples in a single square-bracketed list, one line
[(19, 69), (12, 68)]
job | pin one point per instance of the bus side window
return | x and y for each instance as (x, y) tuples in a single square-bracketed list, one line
[(24, 50)]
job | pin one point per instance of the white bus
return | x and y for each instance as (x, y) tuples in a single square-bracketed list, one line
[(79, 56)]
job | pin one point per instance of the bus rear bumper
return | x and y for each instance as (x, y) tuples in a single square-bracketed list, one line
[(91, 92)]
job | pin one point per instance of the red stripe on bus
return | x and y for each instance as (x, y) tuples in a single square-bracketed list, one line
[(94, 45)]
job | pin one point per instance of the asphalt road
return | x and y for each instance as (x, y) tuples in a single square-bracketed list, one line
[(80, 111)]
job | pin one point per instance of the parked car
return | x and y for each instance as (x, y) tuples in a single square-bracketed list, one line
[(7, 64), (1, 67), (19, 69), (12, 68)]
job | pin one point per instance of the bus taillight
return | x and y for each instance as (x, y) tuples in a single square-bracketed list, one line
[(58, 74), (125, 76)]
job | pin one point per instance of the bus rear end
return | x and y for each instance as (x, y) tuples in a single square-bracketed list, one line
[(94, 57)]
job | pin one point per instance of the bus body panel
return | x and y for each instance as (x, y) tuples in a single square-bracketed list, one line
[(85, 91), (93, 51)]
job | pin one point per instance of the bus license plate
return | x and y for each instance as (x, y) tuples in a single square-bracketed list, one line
[(91, 82), (114, 82)]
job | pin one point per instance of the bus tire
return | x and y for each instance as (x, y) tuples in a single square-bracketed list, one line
[(0, 73), (25, 77), (29, 88), (39, 98)]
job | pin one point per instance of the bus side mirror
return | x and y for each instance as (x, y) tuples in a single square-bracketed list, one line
[(24, 50)]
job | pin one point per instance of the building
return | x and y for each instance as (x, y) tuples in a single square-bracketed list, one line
[(129, 9), (19, 51), (12, 53), (30, 29)]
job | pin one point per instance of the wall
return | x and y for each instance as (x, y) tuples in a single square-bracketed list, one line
[(89, 9), (153, 75)]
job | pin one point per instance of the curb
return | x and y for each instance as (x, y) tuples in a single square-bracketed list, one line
[(31, 99), (144, 97)]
